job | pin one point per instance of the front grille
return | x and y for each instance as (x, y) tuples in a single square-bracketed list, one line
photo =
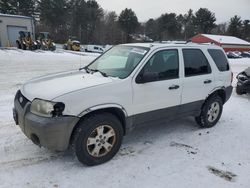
[(21, 99)]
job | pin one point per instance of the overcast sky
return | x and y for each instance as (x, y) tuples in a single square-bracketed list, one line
[(145, 9)]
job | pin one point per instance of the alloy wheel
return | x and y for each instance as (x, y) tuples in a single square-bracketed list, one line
[(101, 141)]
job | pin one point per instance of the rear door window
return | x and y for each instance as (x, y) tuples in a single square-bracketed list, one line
[(219, 59), (195, 62)]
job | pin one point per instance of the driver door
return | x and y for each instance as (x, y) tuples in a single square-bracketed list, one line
[(159, 98)]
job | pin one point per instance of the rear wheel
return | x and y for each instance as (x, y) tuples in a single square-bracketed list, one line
[(210, 112), (97, 139)]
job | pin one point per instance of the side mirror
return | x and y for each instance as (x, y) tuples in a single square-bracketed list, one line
[(147, 77)]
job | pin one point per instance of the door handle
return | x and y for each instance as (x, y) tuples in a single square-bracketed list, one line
[(173, 87), (207, 81)]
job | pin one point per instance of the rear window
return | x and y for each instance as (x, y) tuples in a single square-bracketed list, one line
[(219, 59)]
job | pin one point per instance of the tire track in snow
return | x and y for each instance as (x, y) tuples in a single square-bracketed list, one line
[(26, 161)]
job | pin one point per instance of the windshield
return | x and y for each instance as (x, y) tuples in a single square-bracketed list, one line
[(119, 62)]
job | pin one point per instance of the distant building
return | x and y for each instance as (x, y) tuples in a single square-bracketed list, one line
[(10, 25), (228, 43)]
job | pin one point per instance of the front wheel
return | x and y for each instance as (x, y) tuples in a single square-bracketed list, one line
[(210, 112), (97, 139)]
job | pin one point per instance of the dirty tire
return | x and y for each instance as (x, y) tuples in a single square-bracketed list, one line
[(84, 133), (204, 120)]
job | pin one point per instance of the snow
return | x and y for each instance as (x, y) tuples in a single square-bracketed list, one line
[(222, 39), (175, 154)]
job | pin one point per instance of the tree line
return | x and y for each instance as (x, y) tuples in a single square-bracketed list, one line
[(86, 20)]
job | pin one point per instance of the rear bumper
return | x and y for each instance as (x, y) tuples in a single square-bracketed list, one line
[(53, 133)]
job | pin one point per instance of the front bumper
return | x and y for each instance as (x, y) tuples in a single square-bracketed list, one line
[(53, 133)]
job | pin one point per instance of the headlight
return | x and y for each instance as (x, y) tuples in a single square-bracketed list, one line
[(46, 108)]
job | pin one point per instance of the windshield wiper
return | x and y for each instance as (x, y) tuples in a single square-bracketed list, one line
[(84, 68), (95, 70), (88, 70)]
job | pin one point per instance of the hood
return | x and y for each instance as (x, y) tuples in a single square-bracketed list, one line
[(52, 86)]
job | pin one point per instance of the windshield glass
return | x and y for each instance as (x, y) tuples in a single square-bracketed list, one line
[(120, 61)]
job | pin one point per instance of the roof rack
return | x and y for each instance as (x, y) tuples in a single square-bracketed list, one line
[(172, 42), (183, 42)]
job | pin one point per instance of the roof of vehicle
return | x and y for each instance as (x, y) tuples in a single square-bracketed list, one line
[(156, 45)]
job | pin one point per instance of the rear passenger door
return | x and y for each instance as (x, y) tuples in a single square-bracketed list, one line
[(198, 79)]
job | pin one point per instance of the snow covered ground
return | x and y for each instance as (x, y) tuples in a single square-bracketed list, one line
[(173, 155)]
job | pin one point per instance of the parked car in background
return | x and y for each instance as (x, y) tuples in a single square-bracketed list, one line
[(129, 86), (245, 54), (233, 55), (94, 48), (243, 84)]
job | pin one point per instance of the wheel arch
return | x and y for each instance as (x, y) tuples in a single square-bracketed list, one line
[(114, 109), (220, 92)]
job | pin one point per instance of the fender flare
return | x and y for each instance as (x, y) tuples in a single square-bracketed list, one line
[(101, 107), (218, 89), (215, 90)]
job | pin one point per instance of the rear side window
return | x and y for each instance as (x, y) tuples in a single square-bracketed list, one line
[(219, 59), (195, 62)]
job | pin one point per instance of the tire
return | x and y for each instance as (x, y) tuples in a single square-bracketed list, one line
[(53, 48), (93, 148), (239, 91), (211, 112), (24, 47), (18, 45)]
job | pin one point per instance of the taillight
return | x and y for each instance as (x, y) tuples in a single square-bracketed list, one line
[(232, 77)]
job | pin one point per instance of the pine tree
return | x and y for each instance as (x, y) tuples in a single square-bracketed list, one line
[(128, 22), (8, 6), (54, 15), (246, 29), (26, 8), (169, 28), (94, 16), (188, 24), (204, 21), (235, 25), (78, 16)]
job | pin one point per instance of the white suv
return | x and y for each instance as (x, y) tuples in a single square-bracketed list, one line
[(131, 85)]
